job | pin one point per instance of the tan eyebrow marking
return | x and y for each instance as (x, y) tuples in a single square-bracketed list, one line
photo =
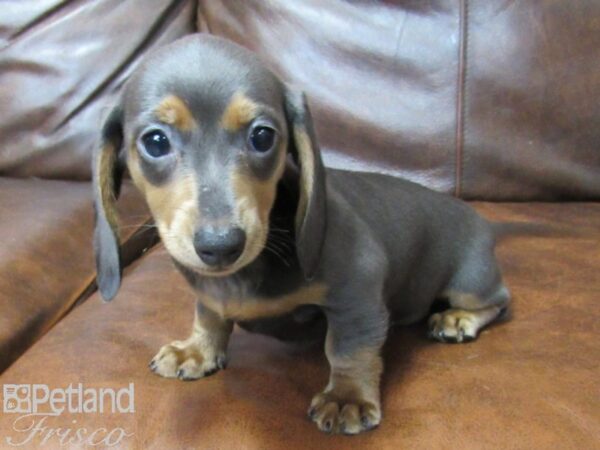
[(173, 111), (238, 112)]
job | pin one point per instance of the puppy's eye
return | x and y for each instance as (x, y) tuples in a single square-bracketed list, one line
[(156, 143), (262, 139)]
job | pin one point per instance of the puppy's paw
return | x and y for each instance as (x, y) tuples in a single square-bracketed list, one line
[(186, 360), (453, 325), (333, 414)]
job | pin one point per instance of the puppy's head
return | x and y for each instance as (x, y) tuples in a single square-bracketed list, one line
[(205, 130)]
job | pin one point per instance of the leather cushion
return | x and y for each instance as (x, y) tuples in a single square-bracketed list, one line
[(526, 383), (63, 64), (380, 77), (46, 255), (530, 122), (486, 100)]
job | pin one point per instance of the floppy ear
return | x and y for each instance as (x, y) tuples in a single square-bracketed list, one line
[(107, 182), (312, 206)]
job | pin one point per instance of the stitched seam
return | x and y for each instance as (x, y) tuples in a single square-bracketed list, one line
[(460, 96)]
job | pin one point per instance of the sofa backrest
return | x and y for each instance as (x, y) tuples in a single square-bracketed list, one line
[(494, 99), (491, 100), (62, 64)]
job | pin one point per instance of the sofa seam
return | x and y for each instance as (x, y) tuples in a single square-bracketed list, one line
[(460, 97)]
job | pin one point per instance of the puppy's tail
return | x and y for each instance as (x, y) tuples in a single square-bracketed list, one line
[(504, 230)]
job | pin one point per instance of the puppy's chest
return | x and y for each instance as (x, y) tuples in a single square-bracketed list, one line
[(244, 303)]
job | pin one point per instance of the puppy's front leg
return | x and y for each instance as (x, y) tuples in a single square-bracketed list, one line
[(350, 402), (202, 354)]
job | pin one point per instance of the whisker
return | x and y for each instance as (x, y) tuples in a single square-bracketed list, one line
[(288, 245), (282, 250), (280, 230), (273, 251), (125, 227), (135, 216)]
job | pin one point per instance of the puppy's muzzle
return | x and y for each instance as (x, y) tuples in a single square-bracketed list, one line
[(218, 247)]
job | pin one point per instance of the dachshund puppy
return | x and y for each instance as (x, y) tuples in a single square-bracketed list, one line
[(226, 158)]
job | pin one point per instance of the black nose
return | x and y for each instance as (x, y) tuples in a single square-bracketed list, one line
[(219, 247)]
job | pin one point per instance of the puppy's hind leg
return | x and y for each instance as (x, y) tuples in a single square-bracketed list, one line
[(476, 298), (459, 324)]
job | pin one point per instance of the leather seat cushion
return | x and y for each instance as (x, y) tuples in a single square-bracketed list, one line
[(46, 255), (530, 382)]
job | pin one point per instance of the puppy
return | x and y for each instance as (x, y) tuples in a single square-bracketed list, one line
[(226, 158)]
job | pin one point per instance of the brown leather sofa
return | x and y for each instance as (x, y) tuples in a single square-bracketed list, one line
[(496, 102)]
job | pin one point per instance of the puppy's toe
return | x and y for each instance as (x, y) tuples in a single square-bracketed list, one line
[(336, 415), (325, 416), (183, 360), (166, 361), (454, 326)]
